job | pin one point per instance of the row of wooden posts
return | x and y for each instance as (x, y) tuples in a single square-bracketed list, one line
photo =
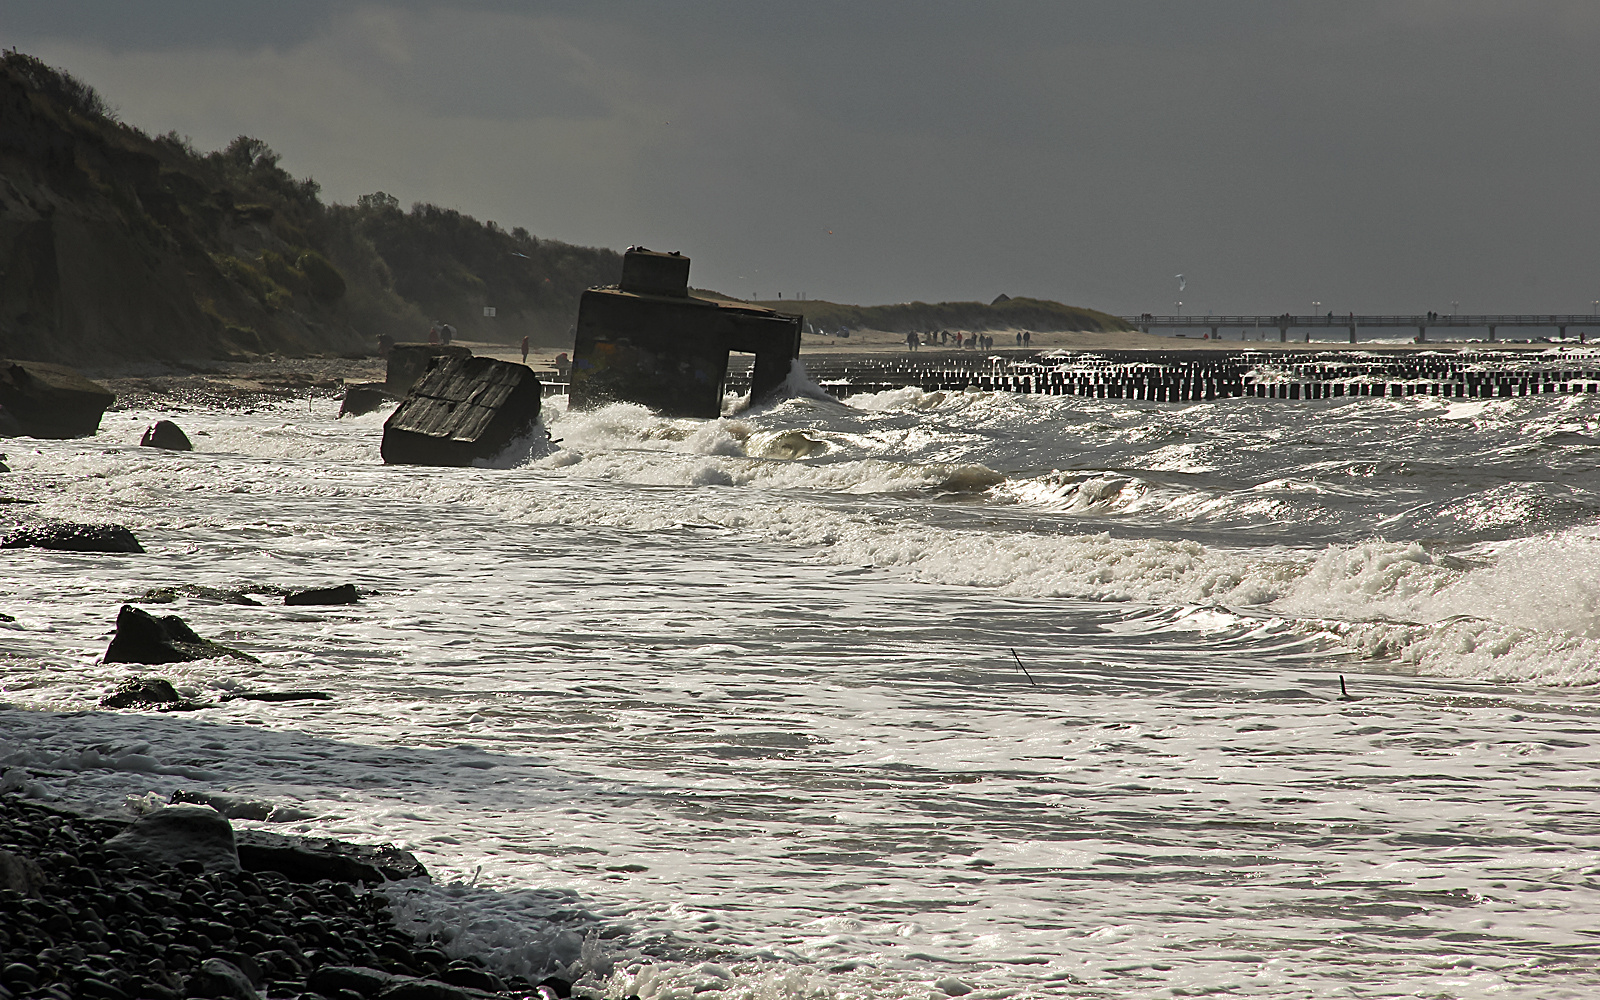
[(1210, 378)]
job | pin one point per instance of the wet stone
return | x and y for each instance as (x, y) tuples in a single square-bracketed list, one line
[(345, 594), (67, 536), (166, 434)]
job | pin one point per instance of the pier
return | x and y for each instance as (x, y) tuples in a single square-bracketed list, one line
[(1354, 323)]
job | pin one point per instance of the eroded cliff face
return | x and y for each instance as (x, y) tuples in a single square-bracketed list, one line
[(111, 250)]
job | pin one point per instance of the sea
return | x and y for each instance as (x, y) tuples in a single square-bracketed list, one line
[(917, 694)]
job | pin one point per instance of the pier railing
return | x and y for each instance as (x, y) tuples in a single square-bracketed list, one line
[(1356, 322), (1547, 320)]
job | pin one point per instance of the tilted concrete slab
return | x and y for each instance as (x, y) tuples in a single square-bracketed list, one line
[(462, 410)]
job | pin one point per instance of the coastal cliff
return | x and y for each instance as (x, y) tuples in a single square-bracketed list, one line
[(117, 246)]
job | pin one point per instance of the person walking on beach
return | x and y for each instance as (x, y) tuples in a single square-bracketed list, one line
[(1027, 338), (911, 341), (524, 350), (433, 333)]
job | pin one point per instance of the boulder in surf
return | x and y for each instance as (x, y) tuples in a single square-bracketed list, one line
[(345, 594), (463, 410), (143, 638), (49, 401), (66, 536), (166, 434)]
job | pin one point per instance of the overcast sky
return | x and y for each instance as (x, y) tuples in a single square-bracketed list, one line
[(1391, 156)]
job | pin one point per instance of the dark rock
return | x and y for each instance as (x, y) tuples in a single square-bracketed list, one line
[(20, 874), (141, 692), (177, 834), (345, 594), (409, 362), (463, 410), (166, 434), (95, 988), (143, 638), (307, 859), (463, 974), (429, 989), (230, 806), (357, 979), (555, 984), (245, 964), (49, 401), (364, 397), (19, 976), (195, 591), (65, 536), (221, 980)]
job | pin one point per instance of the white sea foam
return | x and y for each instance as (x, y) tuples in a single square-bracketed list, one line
[(731, 706)]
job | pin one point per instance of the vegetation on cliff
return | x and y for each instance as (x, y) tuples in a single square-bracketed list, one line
[(452, 266), (116, 245)]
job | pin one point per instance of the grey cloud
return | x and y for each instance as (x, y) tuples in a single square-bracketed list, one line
[(1370, 155)]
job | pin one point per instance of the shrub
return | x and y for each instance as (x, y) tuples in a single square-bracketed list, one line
[(59, 86), (327, 284), (261, 287)]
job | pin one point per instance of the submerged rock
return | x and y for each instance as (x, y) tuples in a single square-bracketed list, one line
[(141, 692), (307, 859), (463, 410), (174, 834), (49, 401), (345, 594), (199, 592), (66, 536), (143, 638), (166, 434)]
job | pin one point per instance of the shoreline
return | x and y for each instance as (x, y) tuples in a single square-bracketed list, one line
[(91, 919), (242, 384)]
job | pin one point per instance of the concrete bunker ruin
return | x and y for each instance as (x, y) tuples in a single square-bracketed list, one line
[(462, 410), (649, 341)]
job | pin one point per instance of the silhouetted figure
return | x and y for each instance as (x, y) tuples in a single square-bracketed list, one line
[(524, 350)]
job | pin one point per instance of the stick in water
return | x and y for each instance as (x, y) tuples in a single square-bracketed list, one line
[(1024, 669)]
